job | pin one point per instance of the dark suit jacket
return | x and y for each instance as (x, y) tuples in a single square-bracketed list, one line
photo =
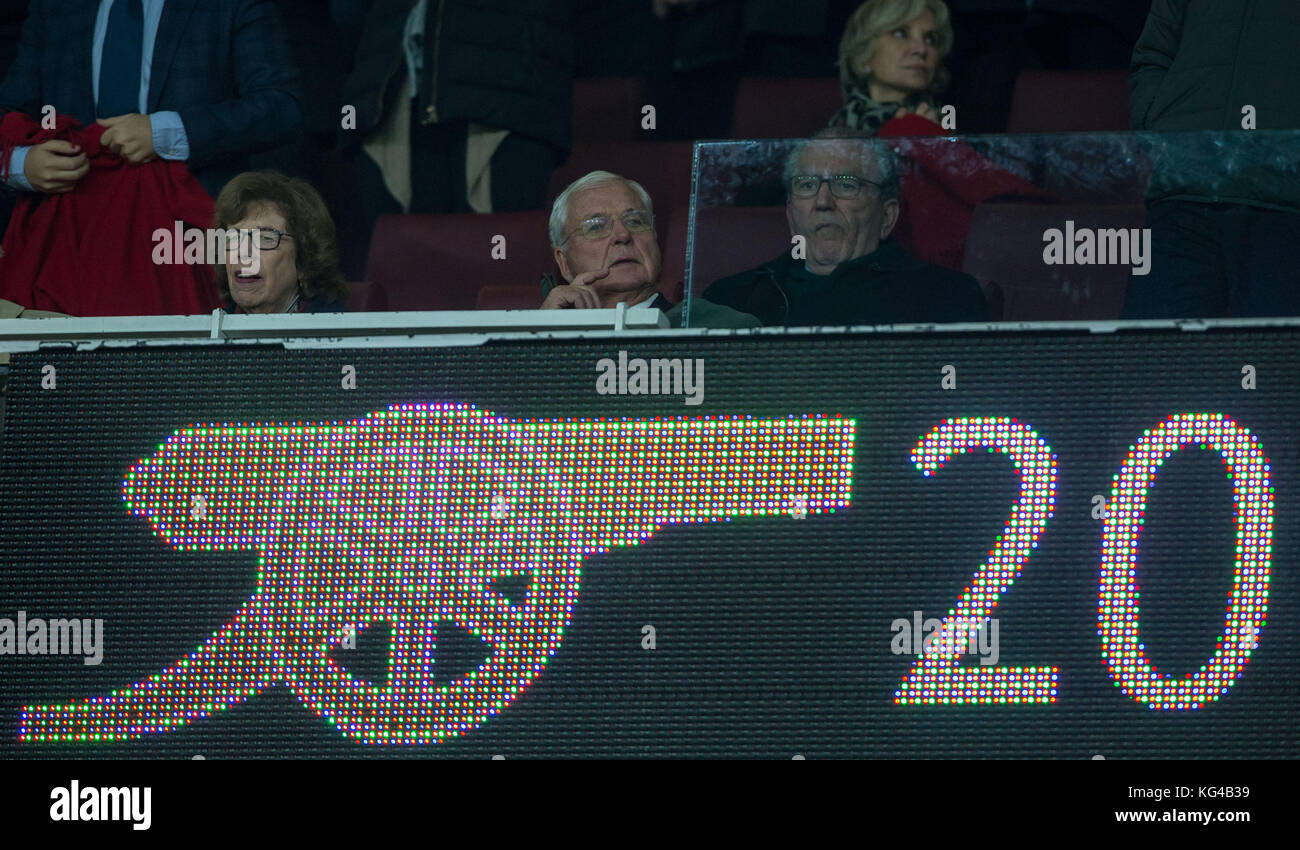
[(222, 64)]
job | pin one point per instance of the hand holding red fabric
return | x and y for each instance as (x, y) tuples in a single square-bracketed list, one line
[(88, 250)]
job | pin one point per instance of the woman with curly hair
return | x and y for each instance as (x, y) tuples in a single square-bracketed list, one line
[(891, 66), (288, 259)]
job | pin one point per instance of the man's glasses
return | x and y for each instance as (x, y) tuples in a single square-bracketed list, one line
[(600, 226), (842, 185), (265, 238)]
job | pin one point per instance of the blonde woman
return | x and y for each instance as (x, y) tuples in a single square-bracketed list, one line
[(891, 66)]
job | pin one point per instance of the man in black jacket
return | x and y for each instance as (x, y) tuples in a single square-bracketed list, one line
[(460, 106), (842, 269), (1223, 208)]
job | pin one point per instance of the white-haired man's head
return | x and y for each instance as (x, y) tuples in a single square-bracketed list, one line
[(603, 221)]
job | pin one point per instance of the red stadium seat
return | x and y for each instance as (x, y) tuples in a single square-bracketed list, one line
[(496, 296), (732, 239), (440, 262), (1004, 251), (608, 109), (783, 108), (364, 296), (663, 168), (1069, 101)]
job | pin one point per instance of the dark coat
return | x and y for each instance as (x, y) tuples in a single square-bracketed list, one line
[(317, 46), (222, 64), (885, 287), (1196, 65), (507, 64), (1198, 62)]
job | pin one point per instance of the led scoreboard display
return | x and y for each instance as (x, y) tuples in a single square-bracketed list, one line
[(962, 544)]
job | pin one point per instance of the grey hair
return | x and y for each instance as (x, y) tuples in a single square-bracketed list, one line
[(886, 159), (560, 209)]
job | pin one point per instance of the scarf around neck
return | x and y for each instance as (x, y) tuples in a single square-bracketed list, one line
[(860, 112)]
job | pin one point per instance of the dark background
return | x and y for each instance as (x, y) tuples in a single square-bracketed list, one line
[(773, 634)]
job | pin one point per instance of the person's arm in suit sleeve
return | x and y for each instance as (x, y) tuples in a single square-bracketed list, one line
[(170, 141), (268, 109), (1152, 57), (20, 91)]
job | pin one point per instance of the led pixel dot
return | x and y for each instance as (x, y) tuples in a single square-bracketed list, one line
[(410, 516), (1118, 614)]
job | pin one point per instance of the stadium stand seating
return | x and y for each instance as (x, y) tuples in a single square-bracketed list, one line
[(439, 262), (783, 108), (1069, 101), (364, 295), (506, 296), (407, 250), (730, 240), (663, 168), (1004, 251)]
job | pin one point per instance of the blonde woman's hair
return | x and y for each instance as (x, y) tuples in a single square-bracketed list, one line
[(877, 17)]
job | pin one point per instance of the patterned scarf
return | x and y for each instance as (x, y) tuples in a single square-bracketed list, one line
[(862, 113)]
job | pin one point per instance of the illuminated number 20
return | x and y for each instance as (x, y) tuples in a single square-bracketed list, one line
[(1117, 618), (937, 678)]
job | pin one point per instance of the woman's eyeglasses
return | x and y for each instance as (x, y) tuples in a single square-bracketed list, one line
[(265, 238)]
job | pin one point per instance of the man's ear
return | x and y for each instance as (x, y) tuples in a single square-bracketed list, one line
[(890, 218), (563, 262)]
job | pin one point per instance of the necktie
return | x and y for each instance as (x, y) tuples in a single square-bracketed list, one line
[(119, 67)]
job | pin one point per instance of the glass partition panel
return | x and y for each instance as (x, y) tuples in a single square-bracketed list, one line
[(1062, 226)]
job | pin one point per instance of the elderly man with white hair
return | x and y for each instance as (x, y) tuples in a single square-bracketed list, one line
[(602, 230)]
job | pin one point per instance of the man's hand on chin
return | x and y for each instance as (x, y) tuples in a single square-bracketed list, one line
[(130, 137), (578, 294)]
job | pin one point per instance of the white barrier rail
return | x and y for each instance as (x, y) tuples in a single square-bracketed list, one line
[(472, 327), (29, 334)]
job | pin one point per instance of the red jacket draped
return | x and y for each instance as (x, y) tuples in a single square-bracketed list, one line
[(91, 251), (941, 186)]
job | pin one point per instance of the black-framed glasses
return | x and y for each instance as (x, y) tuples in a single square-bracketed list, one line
[(842, 185), (265, 238), (600, 226)]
